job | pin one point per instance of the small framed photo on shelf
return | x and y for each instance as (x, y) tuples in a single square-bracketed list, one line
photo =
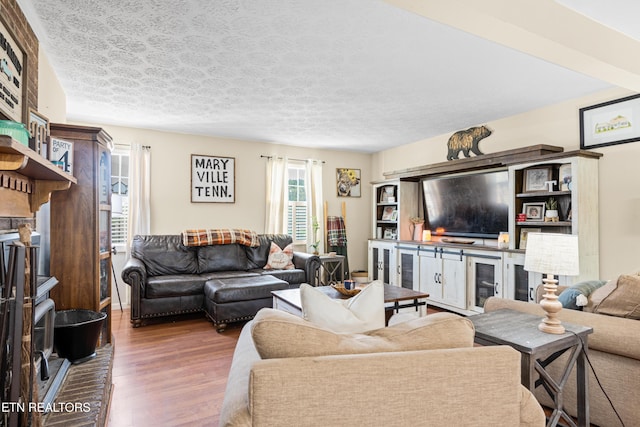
[(388, 194), (387, 213), (564, 177), (394, 215), (523, 236), (535, 178), (389, 233), (534, 211)]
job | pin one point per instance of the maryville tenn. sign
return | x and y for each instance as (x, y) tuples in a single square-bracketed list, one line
[(213, 179)]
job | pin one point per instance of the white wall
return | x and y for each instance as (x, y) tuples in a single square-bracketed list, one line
[(619, 173), (171, 207)]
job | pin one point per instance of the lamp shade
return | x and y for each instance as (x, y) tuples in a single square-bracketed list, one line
[(552, 253)]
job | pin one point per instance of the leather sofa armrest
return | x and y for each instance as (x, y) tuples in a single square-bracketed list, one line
[(309, 263), (134, 274)]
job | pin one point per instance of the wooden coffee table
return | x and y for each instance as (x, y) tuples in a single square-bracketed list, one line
[(289, 299)]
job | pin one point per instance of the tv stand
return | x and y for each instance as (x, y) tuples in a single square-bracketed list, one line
[(460, 273)]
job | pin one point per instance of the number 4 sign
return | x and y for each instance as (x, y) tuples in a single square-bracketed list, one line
[(61, 154)]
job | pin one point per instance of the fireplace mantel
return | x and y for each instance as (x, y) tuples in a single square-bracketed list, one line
[(27, 179)]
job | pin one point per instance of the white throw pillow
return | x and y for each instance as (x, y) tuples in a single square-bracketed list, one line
[(280, 259), (361, 313)]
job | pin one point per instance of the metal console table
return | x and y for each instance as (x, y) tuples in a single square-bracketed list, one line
[(330, 270), (539, 349)]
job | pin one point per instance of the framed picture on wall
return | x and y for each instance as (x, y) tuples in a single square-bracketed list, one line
[(348, 182), (610, 123), (213, 179)]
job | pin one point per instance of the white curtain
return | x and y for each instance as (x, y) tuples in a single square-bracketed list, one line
[(139, 192), (313, 189), (276, 212)]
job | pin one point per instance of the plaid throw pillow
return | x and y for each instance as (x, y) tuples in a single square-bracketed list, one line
[(220, 236)]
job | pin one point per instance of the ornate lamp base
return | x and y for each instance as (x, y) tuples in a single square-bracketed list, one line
[(550, 304)]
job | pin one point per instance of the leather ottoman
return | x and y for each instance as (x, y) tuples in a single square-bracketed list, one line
[(239, 298)]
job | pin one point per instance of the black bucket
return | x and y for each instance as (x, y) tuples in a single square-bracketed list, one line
[(76, 334)]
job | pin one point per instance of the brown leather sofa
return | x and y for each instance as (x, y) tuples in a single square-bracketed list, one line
[(168, 278)]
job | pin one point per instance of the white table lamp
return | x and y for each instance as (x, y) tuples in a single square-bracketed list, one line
[(549, 254)]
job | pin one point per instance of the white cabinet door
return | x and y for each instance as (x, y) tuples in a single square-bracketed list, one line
[(408, 267), (485, 279), (382, 262), (431, 273), (453, 279)]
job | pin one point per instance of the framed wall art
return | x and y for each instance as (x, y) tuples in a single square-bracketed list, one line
[(348, 182), (535, 178), (61, 154), (213, 179), (12, 76), (610, 123)]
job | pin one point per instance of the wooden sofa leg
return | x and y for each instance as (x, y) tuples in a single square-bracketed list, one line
[(220, 327), (136, 323)]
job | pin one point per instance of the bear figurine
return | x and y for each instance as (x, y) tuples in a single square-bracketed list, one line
[(466, 141)]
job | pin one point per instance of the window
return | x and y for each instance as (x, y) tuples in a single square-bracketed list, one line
[(297, 204), (119, 197)]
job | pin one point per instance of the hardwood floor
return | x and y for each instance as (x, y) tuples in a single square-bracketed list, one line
[(170, 373)]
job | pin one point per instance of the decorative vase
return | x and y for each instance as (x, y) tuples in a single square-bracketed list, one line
[(417, 231)]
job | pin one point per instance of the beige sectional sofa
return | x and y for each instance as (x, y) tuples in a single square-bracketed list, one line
[(287, 371), (614, 352)]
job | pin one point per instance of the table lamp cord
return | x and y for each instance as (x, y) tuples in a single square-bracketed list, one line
[(596, 377)]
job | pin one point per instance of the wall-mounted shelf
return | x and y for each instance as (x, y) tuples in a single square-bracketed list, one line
[(27, 179), (23, 160)]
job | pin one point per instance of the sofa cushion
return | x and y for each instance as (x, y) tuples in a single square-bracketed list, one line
[(278, 334), (280, 258), (600, 294), (174, 285), (294, 277), (242, 288), (257, 256), (222, 258), (624, 301), (360, 313), (164, 254)]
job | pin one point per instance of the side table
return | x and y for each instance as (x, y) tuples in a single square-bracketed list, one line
[(331, 270), (538, 349)]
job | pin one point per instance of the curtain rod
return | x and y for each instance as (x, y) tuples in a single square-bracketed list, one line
[(146, 147), (297, 160)]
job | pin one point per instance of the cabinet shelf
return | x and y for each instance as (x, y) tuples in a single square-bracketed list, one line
[(545, 224), (544, 194)]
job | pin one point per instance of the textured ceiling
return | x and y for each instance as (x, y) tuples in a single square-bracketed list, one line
[(357, 75)]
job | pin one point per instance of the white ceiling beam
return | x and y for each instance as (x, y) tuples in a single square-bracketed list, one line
[(544, 29)]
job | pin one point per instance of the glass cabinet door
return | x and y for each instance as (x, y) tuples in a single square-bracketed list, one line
[(104, 177), (485, 280)]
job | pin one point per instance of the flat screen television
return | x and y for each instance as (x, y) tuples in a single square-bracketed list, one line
[(468, 205)]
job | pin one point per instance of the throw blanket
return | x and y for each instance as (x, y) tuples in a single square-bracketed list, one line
[(336, 232), (219, 236)]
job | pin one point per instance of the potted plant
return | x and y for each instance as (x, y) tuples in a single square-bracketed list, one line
[(551, 211), (315, 226)]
